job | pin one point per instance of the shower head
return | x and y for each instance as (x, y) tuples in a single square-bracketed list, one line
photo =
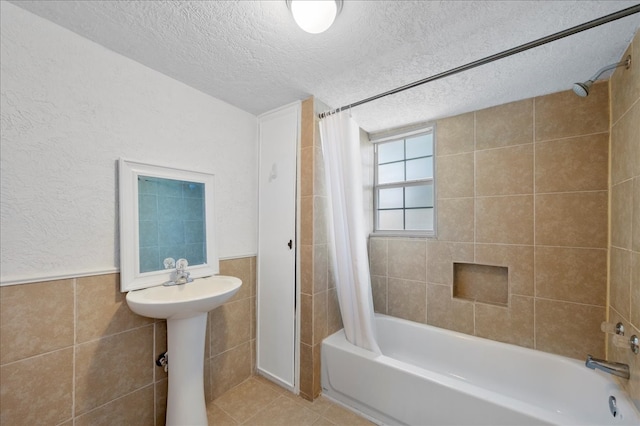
[(582, 89)]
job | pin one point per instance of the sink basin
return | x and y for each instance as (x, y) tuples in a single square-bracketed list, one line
[(183, 301)]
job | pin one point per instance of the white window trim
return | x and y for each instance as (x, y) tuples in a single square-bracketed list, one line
[(397, 134)]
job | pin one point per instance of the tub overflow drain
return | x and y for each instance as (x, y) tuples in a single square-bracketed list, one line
[(612, 406)]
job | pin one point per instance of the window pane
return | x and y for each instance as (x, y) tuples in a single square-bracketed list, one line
[(390, 151), (390, 220), (419, 219), (421, 168), (390, 198), (420, 146), (419, 196), (389, 173)]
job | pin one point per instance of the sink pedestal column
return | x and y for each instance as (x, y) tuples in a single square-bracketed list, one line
[(185, 402)]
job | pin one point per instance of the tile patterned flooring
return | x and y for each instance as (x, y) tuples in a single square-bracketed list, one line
[(257, 401)]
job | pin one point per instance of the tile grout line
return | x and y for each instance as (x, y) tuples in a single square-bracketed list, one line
[(75, 339), (535, 284)]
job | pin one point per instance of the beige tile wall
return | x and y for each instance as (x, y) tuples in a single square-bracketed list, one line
[(72, 351), (319, 311), (624, 248), (522, 186)]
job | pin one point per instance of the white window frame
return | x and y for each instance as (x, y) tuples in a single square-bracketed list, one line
[(392, 136)]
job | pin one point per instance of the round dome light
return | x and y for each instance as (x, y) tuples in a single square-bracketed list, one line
[(314, 16)]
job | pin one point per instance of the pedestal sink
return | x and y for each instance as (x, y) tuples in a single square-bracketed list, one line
[(185, 308)]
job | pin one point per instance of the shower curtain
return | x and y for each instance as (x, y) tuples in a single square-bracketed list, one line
[(340, 139)]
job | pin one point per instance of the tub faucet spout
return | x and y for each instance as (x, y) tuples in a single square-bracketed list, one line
[(616, 368)]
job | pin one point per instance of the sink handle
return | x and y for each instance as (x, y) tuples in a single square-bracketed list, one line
[(169, 263), (181, 264)]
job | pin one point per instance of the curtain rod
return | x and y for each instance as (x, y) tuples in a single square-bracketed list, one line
[(518, 49)]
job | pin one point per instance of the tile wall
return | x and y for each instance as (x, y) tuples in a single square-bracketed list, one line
[(522, 186), (624, 243), (71, 352), (319, 310)]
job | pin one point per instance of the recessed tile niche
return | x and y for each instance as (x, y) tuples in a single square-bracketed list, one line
[(481, 283)]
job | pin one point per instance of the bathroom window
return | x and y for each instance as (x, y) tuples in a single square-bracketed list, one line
[(404, 184)]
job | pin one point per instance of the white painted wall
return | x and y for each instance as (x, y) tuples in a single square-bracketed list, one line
[(70, 108)]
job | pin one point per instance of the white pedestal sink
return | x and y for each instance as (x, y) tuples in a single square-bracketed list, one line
[(185, 308)]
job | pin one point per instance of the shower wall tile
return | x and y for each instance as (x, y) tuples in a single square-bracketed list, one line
[(506, 220), (620, 281), (572, 164), (580, 277), (37, 390), (111, 367), (634, 317), (160, 346), (307, 111), (319, 220), (135, 408), (624, 249), (505, 171), (306, 220), (319, 317), (230, 368), (456, 134), (102, 309), (320, 268), (454, 175), (537, 207), (306, 373), (26, 313), (306, 171), (621, 214), (504, 125), (306, 319), (563, 114), (378, 256), (559, 331), (240, 268), (625, 83), (519, 261), (113, 357), (456, 220), (230, 325), (512, 324), (445, 312), (408, 259), (160, 401), (635, 215), (625, 149), (379, 290), (575, 219), (319, 183), (407, 299), (334, 318), (306, 269), (440, 258)]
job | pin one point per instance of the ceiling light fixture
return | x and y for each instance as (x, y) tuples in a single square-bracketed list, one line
[(314, 16)]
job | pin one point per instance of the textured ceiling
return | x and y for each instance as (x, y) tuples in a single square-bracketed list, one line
[(252, 55)]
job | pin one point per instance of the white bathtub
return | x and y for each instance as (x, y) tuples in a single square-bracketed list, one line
[(431, 376)]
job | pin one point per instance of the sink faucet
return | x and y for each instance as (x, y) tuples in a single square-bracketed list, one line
[(616, 368), (181, 274)]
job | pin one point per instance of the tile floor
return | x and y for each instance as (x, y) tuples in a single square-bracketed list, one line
[(257, 401)]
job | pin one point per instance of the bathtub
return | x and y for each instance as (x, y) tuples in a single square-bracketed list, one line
[(431, 376)]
